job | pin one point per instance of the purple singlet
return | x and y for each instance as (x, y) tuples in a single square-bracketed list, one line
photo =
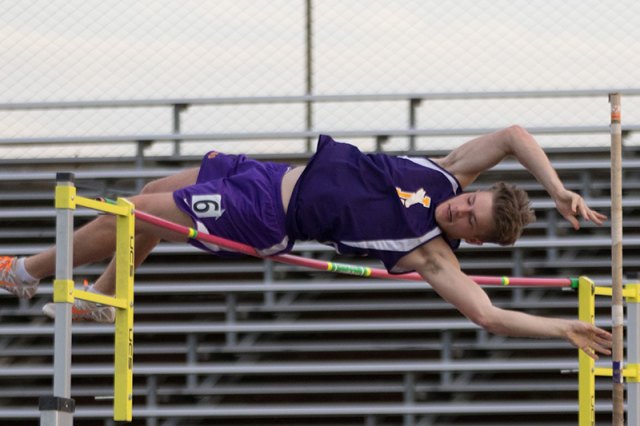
[(368, 204)]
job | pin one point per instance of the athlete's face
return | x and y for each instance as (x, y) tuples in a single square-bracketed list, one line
[(468, 216)]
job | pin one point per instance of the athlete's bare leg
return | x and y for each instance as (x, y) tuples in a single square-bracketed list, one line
[(96, 240), (145, 243)]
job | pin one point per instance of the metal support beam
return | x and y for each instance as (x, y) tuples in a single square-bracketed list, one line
[(57, 410)]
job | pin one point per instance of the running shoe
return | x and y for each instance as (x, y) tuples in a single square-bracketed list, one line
[(85, 311), (9, 279)]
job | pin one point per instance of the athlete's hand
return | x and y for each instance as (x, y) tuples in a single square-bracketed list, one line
[(589, 338), (570, 205)]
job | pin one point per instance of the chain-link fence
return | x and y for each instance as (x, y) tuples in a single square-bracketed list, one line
[(115, 50)]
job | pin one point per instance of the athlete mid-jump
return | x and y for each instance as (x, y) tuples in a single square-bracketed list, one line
[(410, 213)]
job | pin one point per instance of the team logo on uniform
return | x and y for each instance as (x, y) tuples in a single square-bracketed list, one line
[(408, 199), (207, 205), (212, 154)]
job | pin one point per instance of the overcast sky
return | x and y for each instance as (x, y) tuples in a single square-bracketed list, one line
[(106, 49)]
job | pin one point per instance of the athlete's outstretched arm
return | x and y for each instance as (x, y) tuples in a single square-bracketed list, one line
[(437, 264), (468, 161)]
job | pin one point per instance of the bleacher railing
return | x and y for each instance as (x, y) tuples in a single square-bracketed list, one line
[(413, 101)]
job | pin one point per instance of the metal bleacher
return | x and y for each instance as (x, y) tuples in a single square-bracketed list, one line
[(249, 341)]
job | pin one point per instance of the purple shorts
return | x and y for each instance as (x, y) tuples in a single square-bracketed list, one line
[(240, 199)]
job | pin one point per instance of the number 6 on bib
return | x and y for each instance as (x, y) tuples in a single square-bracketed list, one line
[(207, 205)]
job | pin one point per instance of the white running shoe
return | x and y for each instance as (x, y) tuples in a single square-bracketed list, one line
[(85, 311), (9, 279)]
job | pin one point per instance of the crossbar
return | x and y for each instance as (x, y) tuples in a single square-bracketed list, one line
[(341, 267)]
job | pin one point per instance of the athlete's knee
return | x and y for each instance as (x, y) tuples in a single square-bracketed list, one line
[(163, 206), (152, 187), (144, 200), (171, 183), (159, 203)]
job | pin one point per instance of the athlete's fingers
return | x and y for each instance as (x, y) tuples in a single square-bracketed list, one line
[(574, 222), (574, 203)]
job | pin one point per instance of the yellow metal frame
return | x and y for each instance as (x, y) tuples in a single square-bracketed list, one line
[(587, 372), (65, 197), (586, 365)]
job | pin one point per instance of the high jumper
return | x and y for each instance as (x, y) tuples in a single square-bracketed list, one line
[(410, 213)]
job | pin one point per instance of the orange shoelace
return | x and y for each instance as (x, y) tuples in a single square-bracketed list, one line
[(79, 311), (5, 267), (5, 263)]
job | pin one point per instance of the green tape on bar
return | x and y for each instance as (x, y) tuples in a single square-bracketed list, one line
[(343, 268), (574, 283), (107, 200)]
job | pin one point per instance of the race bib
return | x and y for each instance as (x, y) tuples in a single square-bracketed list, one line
[(207, 205)]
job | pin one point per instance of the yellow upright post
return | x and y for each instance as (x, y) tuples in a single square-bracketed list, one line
[(586, 365), (633, 353), (123, 380)]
